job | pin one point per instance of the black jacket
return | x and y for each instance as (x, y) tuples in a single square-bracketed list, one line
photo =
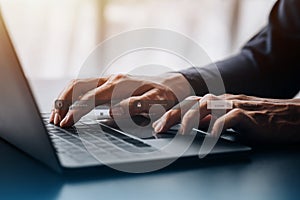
[(268, 65)]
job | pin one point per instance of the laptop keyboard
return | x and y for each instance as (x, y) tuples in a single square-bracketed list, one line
[(88, 143)]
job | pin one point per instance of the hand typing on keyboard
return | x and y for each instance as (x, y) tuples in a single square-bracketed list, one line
[(67, 111)]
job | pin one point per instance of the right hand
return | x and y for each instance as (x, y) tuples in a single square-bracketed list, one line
[(171, 87)]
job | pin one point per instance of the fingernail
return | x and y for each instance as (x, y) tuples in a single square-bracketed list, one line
[(51, 118), (155, 123), (56, 119), (117, 111), (64, 121), (181, 130), (158, 127)]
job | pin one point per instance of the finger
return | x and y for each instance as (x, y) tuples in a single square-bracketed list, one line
[(190, 120), (137, 105), (52, 115), (156, 96), (72, 93), (241, 97), (199, 112), (249, 98), (174, 115), (235, 117), (248, 105), (204, 123), (91, 99), (118, 84), (245, 99), (203, 105), (51, 118), (79, 87)]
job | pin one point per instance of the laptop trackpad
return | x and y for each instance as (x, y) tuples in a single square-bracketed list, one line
[(140, 127)]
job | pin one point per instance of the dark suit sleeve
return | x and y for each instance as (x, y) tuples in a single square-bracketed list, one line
[(267, 66)]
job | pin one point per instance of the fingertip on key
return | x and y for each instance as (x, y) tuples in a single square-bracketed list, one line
[(67, 121), (56, 119), (51, 118)]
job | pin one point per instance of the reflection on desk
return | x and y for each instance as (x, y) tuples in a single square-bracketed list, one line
[(272, 174)]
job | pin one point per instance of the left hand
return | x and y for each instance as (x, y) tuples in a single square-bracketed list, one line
[(117, 88), (259, 120)]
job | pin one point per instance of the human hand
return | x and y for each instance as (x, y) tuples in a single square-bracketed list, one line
[(97, 91), (259, 120)]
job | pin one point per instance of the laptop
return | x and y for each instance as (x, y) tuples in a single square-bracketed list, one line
[(89, 143)]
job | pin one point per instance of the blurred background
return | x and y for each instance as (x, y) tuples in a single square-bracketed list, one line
[(53, 37)]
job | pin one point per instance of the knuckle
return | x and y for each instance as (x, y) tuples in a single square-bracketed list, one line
[(117, 77), (190, 114), (134, 100), (242, 97), (102, 80), (89, 95), (237, 112), (223, 95), (158, 90), (74, 82), (209, 97), (193, 98), (236, 104), (228, 96), (169, 114), (203, 104)]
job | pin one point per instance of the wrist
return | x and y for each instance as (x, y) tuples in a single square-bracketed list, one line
[(178, 84)]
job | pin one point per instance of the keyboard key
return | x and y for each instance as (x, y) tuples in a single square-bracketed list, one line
[(81, 141)]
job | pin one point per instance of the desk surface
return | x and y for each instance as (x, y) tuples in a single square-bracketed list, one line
[(267, 174)]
